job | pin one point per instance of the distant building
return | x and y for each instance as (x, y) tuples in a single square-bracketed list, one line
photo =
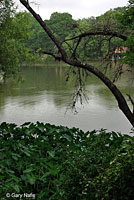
[(116, 53), (121, 49)]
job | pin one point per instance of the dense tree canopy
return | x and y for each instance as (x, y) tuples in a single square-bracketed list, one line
[(64, 27), (14, 31), (126, 22), (6, 39)]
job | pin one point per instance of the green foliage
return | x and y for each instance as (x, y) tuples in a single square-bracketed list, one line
[(128, 57), (5, 9), (37, 38), (14, 30), (126, 17), (8, 50), (101, 170), (119, 174), (55, 162), (61, 24), (126, 24), (98, 46)]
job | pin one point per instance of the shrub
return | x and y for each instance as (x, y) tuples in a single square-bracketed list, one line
[(55, 162)]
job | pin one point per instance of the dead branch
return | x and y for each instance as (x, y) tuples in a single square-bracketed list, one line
[(78, 42), (118, 73), (104, 33), (69, 46)]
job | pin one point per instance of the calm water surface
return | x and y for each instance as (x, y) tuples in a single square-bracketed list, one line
[(44, 96)]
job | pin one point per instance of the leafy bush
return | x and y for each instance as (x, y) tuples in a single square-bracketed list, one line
[(104, 170), (55, 162)]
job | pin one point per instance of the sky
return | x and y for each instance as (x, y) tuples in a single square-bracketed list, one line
[(77, 8)]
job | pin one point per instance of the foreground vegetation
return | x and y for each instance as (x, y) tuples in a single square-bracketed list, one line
[(55, 162)]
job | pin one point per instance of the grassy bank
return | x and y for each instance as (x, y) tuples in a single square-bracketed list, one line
[(58, 163)]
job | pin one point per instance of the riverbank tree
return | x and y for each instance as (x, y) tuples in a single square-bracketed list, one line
[(8, 59), (14, 31), (72, 59)]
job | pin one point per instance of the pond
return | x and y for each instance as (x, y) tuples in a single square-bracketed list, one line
[(45, 96)]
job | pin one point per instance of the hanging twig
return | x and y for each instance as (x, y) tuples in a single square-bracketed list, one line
[(74, 52), (132, 101)]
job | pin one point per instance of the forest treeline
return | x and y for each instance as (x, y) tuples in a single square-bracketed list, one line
[(23, 39), (65, 27)]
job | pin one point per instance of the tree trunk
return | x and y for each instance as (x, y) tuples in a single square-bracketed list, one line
[(115, 91)]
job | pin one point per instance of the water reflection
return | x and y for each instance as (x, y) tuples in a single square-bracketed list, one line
[(45, 95)]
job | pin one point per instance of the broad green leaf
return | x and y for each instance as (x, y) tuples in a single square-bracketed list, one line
[(16, 188), (28, 170), (51, 153), (31, 179)]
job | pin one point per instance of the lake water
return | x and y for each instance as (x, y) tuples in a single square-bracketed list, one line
[(45, 96)]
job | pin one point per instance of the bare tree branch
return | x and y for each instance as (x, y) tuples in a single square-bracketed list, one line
[(69, 46), (74, 52), (104, 33)]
